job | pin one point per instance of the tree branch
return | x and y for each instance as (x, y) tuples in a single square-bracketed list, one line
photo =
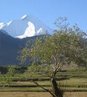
[(47, 90)]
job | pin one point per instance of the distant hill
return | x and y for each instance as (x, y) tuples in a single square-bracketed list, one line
[(10, 47)]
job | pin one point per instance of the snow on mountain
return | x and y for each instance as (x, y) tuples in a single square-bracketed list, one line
[(29, 31), (26, 26), (2, 25), (9, 23), (24, 17)]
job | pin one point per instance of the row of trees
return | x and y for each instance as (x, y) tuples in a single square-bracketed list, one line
[(67, 45)]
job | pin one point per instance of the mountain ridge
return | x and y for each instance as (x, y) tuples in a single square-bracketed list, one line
[(26, 26), (11, 47)]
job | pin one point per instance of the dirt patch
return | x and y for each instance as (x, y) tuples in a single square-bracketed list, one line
[(40, 94)]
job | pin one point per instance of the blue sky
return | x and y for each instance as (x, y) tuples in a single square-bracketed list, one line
[(46, 10)]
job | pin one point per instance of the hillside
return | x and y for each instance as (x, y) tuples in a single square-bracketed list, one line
[(10, 47)]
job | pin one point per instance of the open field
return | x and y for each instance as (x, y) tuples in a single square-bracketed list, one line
[(40, 94), (73, 81), (74, 84)]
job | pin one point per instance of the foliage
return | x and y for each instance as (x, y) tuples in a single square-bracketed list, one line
[(11, 70), (38, 70), (59, 49)]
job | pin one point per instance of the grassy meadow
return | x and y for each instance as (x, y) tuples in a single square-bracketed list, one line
[(72, 82)]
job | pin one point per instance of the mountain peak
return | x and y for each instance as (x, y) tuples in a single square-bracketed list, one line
[(29, 31), (27, 26)]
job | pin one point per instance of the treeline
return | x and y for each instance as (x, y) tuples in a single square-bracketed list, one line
[(12, 69)]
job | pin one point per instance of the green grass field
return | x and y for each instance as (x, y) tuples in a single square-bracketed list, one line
[(73, 83)]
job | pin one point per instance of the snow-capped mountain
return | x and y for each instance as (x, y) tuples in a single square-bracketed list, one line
[(26, 26)]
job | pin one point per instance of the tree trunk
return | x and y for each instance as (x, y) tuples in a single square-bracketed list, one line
[(57, 92)]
